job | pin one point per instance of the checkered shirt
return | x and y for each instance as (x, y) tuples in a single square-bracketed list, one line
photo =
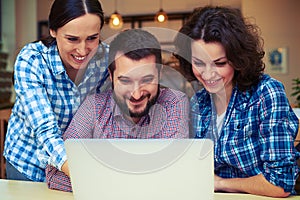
[(46, 100)]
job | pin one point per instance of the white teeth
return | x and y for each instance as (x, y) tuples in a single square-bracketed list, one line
[(79, 58), (211, 82)]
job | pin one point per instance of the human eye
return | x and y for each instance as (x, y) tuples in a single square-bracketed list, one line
[(72, 39), (199, 63), (92, 38), (147, 80), (124, 81), (221, 64)]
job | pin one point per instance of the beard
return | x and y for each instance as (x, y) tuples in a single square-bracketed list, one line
[(121, 102)]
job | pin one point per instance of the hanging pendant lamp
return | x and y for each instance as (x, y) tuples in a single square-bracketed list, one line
[(115, 21), (161, 16)]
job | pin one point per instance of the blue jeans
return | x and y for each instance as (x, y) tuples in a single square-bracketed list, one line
[(13, 174)]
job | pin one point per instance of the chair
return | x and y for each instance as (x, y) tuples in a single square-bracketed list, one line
[(4, 116)]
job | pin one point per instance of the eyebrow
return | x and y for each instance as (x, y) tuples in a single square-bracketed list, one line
[(218, 59), (96, 34), (146, 76)]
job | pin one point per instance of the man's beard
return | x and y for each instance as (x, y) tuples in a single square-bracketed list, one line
[(121, 102)]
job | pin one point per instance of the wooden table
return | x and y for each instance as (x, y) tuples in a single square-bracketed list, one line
[(23, 190)]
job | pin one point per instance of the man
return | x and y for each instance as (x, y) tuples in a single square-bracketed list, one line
[(136, 107)]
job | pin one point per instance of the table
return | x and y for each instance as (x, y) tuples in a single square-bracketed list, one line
[(24, 190)]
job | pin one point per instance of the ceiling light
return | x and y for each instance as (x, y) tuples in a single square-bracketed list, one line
[(161, 15), (115, 21)]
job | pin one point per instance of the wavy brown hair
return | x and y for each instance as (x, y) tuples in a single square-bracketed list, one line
[(240, 39)]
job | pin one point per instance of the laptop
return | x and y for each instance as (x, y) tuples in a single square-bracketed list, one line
[(141, 169)]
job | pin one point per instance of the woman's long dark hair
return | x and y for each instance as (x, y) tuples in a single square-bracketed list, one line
[(63, 11), (241, 41)]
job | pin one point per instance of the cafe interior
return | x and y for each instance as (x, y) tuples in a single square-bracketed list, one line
[(23, 21)]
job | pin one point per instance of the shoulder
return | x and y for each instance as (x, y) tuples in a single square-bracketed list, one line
[(102, 51), (201, 97), (100, 59), (33, 49), (99, 96), (37, 55), (268, 86), (269, 92), (101, 100), (170, 95)]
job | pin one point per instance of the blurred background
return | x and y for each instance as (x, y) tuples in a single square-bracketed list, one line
[(23, 21)]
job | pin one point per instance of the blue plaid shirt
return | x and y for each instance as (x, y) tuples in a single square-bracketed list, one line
[(46, 100), (257, 136)]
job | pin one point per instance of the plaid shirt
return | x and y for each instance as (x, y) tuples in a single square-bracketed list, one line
[(100, 117), (258, 133), (46, 100)]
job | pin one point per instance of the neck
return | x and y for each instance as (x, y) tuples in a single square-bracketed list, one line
[(221, 100), (75, 74)]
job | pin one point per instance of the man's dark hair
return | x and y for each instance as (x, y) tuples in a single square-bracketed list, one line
[(135, 44)]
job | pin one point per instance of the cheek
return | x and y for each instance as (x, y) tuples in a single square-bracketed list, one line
[(121, 90), (197, 73), (227, 73), (64, 48), (93, 44), (152, 89)]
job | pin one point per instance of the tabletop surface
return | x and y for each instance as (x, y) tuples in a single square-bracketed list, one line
[(16, 190)]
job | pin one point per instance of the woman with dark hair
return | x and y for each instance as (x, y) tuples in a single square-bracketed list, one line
[(51, 78), (244, 111)]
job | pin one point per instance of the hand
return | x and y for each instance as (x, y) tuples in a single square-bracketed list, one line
[(217, 183), (65, 168)]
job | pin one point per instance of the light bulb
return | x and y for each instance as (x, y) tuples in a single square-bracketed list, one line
[(161, 18), (116, 21)]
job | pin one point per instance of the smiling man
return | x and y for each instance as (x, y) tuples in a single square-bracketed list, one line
[(136, 107)]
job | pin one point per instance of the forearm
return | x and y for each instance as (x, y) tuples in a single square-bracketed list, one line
[(57, 180), (257, 185)]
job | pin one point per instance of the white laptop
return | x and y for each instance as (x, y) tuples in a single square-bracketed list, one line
[(141, 169)]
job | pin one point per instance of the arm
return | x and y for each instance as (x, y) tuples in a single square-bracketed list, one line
[(57, 180), (182, 108), (81, 126), (174, 117), (36, 113), (260, 157), (272, 163), (257, 185), (278, 128)]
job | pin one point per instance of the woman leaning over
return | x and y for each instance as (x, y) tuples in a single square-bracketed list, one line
[(52, 78), (244, 111)]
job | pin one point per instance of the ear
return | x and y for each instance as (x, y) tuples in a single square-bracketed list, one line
[(110, 76), (53, 33)]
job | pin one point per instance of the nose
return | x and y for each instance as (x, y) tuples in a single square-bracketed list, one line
[(208, 72), (81, 48), (137, 91)]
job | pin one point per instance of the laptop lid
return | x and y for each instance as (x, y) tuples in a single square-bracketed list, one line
[(135, 169)]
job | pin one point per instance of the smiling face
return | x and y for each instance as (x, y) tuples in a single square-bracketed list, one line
[(135, 84), (211, 67), (77, 39)]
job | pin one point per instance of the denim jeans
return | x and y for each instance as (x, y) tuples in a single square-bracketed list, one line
[(13, 174)]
